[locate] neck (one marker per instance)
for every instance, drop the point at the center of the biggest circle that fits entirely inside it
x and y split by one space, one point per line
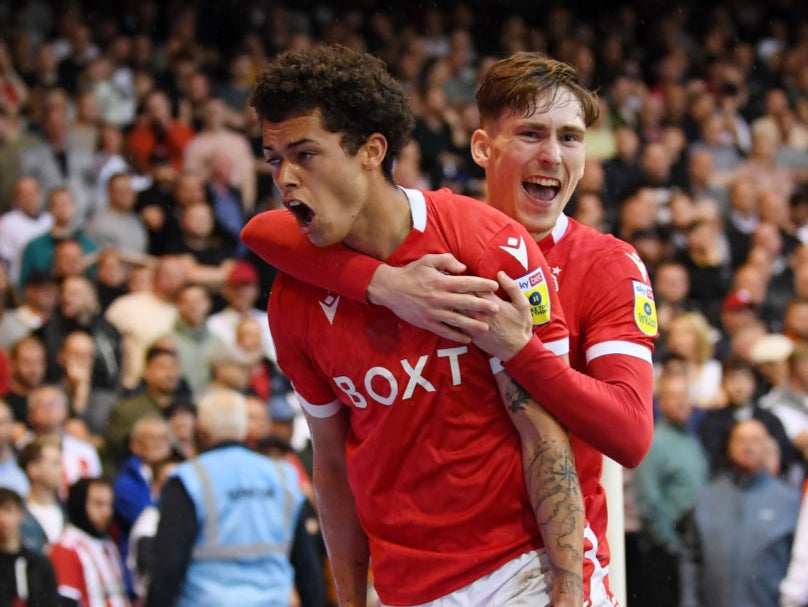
10 545
383 223
41 496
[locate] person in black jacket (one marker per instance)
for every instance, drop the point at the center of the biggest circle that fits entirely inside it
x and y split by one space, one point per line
26 577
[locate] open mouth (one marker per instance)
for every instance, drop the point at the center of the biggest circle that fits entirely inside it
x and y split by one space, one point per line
544 189
301 211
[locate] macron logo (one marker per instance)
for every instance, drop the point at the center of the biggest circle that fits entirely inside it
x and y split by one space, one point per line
329 306
518 249
640 265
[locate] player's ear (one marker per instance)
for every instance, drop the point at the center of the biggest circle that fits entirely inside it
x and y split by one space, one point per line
373 151
480 147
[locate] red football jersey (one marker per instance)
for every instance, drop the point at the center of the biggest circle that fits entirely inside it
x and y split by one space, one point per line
609 308
433 458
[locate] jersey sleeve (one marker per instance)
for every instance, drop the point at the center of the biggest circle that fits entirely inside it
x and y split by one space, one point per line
289 325
610 407
512 250
275 237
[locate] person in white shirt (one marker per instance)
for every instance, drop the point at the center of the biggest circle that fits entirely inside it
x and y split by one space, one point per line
241 291
23 223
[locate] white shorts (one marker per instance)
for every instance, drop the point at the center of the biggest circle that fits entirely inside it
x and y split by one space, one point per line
521 582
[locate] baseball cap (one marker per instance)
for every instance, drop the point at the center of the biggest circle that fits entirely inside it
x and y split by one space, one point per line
771 348
231 354
738 299
242 273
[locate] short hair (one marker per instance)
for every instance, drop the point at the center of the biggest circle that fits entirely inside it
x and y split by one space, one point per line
156 350
32 452
734 364
9 496
223 415
147 420
515 83
354 93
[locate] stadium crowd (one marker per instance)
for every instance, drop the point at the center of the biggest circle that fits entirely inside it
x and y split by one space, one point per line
130 160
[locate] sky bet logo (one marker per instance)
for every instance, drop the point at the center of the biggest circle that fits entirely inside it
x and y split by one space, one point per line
534 287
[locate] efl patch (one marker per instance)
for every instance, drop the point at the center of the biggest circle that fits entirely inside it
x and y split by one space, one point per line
644 308
534 287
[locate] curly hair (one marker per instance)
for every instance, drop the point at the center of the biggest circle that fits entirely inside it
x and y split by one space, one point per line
516 82
354 93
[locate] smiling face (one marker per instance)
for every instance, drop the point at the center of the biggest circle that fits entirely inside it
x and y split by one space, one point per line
322 185
534 161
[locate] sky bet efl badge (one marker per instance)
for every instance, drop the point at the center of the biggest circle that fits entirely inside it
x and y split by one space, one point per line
534 286
644 308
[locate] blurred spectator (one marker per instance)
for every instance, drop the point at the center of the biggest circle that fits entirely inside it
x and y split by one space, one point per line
88 402
259 424
108 161
88 567
690 337
140 556
11 475
57 163
14 138
236 87
738 310
157 136
795 319
721 566
666 485
149 444
206 256
700 182
181 416
241 291
156 206
143 316
231 368
69 260
788 401
83 130
621 172
161 375
715 139
111 274
708 265
118 225
214 496
739 386
26 577
38 302
195 343
39 252
27 372
761 165
741 218
24 222
42 461
769 354
794 587
48 416
227 203
78 310
215 139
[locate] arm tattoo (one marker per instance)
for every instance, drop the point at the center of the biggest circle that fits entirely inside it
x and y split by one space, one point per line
516 397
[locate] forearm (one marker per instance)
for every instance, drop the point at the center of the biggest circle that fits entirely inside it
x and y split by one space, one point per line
603 410
345 540
553 488
275 237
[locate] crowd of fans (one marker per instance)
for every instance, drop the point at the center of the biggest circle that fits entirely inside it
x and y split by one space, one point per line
130 160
